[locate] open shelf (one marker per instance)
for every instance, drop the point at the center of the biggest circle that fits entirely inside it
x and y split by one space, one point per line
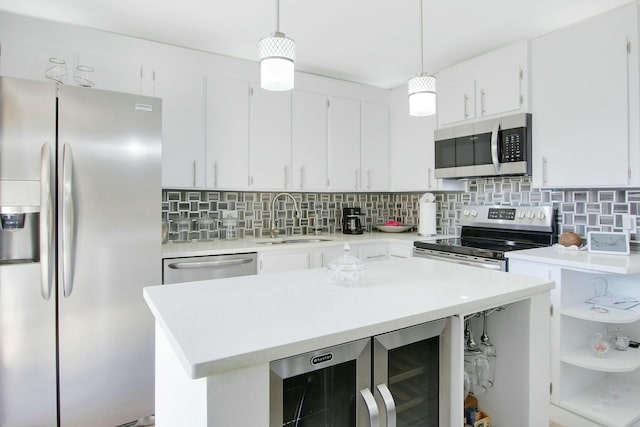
614 360
599 404
583 311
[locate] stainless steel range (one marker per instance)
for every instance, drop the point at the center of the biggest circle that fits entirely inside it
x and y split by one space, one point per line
490 231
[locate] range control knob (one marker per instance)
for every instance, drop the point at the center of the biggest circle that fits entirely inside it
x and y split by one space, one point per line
474 213
541 215
466 212
521 214
532 214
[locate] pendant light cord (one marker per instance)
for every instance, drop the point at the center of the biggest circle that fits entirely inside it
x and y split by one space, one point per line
278 16
421 41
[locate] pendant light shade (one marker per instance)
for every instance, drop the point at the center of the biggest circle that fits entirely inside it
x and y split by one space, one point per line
277 58
422 88
422 95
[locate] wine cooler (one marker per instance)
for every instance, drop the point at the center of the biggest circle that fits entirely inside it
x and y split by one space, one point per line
397 379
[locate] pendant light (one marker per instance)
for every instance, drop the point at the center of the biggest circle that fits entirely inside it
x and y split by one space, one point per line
277 57
422 88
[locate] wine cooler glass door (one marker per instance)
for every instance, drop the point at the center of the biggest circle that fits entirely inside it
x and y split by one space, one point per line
321 388
407 375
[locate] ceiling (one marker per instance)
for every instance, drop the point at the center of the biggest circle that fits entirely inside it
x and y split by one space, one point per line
374 42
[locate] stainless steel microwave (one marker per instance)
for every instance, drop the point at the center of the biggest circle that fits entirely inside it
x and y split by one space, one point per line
487 148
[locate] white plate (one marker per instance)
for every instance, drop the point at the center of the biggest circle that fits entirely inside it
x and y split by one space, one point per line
394 228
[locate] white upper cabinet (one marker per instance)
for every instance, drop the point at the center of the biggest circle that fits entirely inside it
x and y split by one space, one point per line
227 133
309 141
344 144
374 147
358 145
183 126
270 139
456 95
585 103
489 85
412 151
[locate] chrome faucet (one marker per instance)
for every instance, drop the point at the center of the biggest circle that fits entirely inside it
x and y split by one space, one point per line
274 224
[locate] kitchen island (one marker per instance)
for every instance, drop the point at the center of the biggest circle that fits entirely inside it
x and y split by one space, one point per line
215 339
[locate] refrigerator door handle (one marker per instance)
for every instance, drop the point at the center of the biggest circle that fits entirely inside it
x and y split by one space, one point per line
67 220
389 404
372 407
46 222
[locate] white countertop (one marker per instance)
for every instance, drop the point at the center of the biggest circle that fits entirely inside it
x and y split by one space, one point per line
248 244
220 325
580 259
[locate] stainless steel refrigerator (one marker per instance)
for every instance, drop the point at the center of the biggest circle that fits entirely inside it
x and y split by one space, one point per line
80 236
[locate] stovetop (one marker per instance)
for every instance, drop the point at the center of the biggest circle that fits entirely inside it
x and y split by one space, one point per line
490 231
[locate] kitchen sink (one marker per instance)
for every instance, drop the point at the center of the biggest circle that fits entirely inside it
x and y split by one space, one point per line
293 239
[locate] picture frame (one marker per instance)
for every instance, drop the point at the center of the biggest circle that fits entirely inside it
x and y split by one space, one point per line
612 243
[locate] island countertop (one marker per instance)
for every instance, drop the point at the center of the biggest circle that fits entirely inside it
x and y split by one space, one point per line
216 326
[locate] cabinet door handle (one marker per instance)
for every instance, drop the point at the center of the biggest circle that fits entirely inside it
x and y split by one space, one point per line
215 174
368 179
545 166
356 173
389 404
482 102
301 177
372 407
429 178
466 106
286 169
194 173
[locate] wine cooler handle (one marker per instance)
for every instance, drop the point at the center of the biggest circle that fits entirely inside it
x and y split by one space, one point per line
372 407
389 404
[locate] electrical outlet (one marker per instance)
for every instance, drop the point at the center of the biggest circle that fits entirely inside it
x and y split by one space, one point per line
629 224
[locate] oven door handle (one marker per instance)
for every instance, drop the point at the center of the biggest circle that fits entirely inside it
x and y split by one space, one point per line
491 266
494 146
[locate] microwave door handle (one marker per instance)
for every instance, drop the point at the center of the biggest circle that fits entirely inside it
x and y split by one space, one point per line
494 146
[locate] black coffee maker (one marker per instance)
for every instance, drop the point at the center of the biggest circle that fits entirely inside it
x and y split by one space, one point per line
351 221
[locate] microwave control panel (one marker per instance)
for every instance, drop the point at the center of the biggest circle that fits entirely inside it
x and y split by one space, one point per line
513 146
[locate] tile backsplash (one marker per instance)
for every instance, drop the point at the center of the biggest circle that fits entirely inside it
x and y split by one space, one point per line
577 210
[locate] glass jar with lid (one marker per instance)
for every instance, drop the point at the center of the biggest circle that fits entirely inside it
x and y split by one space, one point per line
347 269
207 228
183 229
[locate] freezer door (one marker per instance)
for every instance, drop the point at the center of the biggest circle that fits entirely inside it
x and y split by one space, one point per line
27 319
27 120
110 248
27 349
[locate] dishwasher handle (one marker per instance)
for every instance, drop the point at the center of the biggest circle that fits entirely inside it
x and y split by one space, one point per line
193 265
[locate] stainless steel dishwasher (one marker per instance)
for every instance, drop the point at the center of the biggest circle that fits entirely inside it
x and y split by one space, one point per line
177 270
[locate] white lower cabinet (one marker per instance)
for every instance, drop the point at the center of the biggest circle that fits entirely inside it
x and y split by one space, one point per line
588 390
278 262
371 252
304 259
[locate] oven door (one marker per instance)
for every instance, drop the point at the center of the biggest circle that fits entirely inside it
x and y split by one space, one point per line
491 264
328 387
